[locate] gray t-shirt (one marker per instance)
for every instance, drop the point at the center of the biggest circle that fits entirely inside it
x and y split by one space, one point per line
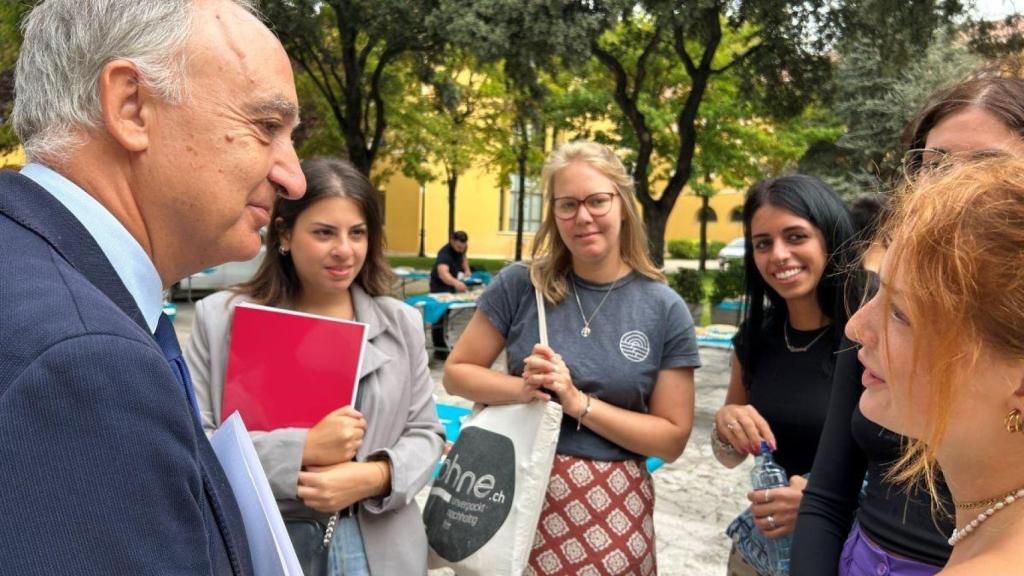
642 328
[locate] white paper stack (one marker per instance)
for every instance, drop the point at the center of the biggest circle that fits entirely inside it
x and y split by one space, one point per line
272 552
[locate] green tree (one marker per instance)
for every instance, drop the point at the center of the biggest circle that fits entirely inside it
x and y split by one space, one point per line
11 14
664 57
441 123
876 102
346 48
527 40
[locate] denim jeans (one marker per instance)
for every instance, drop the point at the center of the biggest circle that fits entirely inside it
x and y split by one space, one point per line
348 558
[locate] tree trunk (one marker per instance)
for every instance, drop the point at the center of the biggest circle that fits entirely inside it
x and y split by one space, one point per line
655 220
453 182
423 220
522 205
704 199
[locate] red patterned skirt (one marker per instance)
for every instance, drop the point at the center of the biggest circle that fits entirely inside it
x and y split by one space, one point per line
598 519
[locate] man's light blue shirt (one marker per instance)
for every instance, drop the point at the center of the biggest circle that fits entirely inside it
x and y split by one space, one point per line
125 254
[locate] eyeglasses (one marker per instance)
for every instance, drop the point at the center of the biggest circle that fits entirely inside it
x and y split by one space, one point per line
920 161
598 204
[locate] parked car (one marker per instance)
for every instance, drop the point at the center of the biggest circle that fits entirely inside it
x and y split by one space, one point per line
217 278
735 249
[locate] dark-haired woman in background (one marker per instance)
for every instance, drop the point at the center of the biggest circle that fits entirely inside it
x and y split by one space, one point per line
797 233
897 530
360 465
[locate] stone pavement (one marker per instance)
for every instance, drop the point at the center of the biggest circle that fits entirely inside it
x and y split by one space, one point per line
696 497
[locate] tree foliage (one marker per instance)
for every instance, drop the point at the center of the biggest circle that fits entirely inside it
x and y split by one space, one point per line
11 14
876 102
346 49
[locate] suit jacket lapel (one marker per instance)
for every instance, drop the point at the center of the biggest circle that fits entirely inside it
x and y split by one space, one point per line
33 207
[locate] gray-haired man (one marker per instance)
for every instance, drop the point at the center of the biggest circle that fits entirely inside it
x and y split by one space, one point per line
158 133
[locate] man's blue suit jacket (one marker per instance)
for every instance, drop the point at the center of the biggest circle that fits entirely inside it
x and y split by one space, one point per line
103 469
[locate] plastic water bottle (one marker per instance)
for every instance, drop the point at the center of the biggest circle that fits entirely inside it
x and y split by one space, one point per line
767 474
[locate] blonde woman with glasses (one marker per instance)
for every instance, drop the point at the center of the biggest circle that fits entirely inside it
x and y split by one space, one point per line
621 360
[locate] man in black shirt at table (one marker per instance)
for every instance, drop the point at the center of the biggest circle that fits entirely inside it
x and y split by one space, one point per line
444 277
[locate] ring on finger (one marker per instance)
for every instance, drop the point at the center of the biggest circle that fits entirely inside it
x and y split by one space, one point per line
771 522
766 498
731 425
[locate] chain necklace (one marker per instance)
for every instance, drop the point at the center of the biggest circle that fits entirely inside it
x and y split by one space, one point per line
960 534
585 332
986 503
785 334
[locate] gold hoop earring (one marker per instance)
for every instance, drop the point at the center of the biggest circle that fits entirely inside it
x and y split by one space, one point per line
1014 422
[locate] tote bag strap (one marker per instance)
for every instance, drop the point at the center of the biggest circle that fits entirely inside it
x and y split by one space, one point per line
542 320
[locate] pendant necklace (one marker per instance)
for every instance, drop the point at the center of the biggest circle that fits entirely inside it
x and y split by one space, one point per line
785 334
585 332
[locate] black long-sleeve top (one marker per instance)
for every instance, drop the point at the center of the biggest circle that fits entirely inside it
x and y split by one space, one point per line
899 520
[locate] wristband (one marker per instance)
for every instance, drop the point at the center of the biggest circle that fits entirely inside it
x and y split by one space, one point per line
586 410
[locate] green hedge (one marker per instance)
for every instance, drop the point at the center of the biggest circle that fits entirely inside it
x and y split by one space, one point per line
686 249
728 283
491 265
688 284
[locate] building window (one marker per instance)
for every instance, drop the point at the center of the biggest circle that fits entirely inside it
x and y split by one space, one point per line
736 216
532 210
711 215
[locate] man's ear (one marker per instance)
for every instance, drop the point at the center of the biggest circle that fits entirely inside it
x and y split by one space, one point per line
126 105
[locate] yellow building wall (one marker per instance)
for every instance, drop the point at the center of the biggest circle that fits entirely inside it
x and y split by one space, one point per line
15 159
683 223
478 212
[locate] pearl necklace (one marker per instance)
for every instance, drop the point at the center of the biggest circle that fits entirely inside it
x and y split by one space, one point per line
959 535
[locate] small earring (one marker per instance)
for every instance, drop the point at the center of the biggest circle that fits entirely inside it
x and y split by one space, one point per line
1014 422
282 250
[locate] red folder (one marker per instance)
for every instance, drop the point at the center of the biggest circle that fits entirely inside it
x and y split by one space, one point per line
289 369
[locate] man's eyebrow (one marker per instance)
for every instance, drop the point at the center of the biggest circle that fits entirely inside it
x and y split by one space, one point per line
277 105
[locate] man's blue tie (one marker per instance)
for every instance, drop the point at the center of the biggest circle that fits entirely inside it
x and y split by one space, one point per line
168 342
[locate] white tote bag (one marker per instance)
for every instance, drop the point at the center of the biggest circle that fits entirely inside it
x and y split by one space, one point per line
485 503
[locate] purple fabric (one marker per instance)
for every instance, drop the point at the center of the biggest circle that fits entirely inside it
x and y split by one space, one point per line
862 557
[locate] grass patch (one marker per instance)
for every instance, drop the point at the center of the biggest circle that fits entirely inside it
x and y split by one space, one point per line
491 265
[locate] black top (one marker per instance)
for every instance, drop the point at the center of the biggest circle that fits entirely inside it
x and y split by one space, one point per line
453 260
791 389
851 446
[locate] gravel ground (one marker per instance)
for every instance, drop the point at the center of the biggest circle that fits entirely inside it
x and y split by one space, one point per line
696 497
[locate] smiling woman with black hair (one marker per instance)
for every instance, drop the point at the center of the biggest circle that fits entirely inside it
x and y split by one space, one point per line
797 234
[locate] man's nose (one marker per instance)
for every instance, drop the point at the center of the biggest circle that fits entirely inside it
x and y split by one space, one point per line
287 176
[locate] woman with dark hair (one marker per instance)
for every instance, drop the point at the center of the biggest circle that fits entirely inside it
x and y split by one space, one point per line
797 235
893 526
355 473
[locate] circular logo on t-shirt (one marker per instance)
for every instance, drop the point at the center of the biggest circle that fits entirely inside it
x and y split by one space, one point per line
635 346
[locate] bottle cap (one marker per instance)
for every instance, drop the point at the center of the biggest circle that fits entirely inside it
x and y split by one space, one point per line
765 448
